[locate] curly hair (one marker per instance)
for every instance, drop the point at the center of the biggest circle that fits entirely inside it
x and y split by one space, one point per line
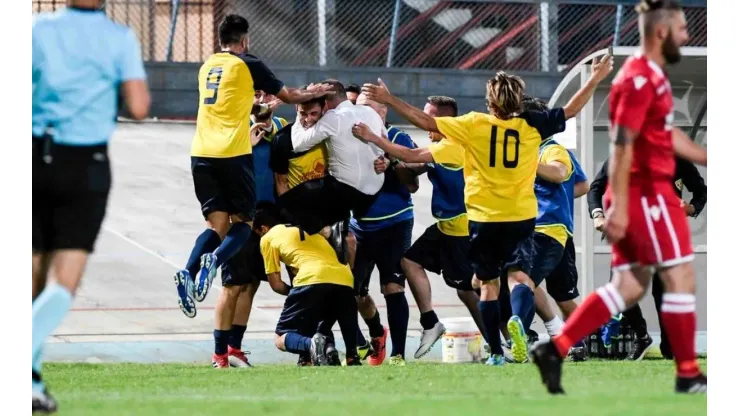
504 95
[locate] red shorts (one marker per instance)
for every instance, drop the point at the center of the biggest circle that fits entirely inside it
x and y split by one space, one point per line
658 231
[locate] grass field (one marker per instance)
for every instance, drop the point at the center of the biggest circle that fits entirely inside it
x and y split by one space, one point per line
594 388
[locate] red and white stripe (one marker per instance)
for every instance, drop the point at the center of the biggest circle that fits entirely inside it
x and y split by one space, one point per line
613 300
678 303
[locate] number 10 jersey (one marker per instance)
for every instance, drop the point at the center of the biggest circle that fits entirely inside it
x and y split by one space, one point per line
500 161
227 83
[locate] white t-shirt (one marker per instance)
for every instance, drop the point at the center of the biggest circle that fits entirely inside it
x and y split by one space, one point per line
351 160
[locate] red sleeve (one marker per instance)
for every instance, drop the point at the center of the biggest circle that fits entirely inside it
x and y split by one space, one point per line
635 96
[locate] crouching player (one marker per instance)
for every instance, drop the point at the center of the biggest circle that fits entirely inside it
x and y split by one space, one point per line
322 291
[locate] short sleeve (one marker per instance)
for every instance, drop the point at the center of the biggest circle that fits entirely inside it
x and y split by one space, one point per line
548 123
578 173
557 153
263 78
282 147
131 66
457 129
403 139
634 96
270 254
446 152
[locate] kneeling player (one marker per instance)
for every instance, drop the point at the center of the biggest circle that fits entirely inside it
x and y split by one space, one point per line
322 291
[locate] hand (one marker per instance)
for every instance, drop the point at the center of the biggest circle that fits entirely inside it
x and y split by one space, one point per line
616 224
381 164
599 223
475 283
274 104
688 208
602 68
363 132
378 93
320 90
257 132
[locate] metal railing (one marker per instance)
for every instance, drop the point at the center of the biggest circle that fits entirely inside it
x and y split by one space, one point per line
524 35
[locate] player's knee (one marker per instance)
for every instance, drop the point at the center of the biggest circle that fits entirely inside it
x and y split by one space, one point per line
219 222
280 342
231 292
391 288
489 289
516 277
679 279
629 287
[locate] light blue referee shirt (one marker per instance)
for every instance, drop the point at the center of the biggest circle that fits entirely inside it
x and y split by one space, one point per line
80 58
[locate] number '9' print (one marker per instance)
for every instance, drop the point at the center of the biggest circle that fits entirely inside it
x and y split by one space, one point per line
213 85
508 162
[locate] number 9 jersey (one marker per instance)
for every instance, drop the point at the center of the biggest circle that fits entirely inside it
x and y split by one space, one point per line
500 162
227 84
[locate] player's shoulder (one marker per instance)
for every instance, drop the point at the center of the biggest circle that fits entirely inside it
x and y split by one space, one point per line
638 72
276 233
395 134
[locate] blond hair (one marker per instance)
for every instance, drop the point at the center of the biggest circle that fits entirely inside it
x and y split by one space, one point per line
504 95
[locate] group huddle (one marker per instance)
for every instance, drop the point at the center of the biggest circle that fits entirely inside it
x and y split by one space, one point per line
329 196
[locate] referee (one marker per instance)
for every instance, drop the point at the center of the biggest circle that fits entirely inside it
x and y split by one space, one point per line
82 63
686 175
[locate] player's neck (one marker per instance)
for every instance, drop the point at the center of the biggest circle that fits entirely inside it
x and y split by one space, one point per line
233 49
654 54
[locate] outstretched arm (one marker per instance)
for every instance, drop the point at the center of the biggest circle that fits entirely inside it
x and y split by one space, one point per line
415 116
418 155
601 70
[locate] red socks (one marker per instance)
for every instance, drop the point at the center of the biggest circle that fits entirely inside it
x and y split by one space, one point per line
590 315
679 319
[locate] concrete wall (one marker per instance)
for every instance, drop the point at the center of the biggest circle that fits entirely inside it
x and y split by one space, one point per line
175 86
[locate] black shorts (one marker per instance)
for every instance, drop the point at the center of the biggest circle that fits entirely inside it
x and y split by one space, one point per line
383 248
70 194
548 253
225 185
307 307
496 247
444 254
314 204
562 284
247 266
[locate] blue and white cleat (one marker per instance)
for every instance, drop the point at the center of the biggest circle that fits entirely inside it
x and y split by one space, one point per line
496 360
518 339
611 330
185 286
206 275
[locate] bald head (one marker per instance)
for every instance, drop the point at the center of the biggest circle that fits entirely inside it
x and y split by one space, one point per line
379 108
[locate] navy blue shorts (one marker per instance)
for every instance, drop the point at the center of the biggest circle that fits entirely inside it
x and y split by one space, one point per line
383 248
308 307
496 247
247 266
562 284
225 185
444 254
548 253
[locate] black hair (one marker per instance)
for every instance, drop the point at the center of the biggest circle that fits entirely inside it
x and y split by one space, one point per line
534 104
353 88
443 101
232 29
267 214
339 90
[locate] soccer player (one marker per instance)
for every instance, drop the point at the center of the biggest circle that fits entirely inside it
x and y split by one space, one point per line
268 126
82 61
383 235
223 168
500 165
322 290
443 248
645 221
686 175
353 91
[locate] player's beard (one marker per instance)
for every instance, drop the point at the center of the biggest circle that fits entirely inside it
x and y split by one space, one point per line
671 50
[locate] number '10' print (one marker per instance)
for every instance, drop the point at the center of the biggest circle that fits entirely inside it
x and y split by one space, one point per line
508 161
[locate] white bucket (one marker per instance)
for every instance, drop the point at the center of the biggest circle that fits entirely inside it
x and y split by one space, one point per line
462 342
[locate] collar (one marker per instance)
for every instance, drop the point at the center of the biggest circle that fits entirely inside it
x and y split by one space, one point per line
652 64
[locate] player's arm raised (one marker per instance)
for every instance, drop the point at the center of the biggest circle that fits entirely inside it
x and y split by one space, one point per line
415 116
685 148
297 95
601 69
418 155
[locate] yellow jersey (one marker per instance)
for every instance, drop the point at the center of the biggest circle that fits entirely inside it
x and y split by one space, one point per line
299 167
310 256
226 85
500 161
555 153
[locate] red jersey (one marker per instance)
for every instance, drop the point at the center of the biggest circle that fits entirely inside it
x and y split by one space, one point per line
641 100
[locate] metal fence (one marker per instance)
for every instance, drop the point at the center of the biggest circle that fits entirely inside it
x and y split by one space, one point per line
525 35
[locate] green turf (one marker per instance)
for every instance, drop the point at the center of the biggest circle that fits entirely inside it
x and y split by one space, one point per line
594 388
